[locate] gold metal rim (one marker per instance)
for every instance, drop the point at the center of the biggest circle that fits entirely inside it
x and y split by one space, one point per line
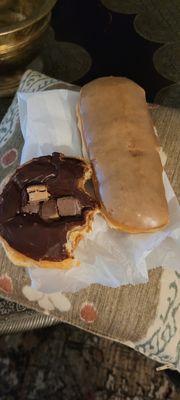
45 9
26 40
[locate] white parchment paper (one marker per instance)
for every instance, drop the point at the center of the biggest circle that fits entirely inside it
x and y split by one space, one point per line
107 256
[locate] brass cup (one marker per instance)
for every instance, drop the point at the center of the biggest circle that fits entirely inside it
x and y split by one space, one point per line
22 27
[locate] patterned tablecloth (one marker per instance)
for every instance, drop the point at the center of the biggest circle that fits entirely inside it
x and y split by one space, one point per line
144 317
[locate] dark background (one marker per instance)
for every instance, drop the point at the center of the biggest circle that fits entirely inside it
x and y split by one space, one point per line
110 39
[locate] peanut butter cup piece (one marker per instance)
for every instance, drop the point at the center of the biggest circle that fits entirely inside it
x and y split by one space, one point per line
49 210
31 208
37 193
68 206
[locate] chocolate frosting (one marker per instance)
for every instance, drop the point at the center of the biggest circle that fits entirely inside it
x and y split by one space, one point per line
28 232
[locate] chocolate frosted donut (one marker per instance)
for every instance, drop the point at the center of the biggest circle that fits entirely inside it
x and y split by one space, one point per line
44 211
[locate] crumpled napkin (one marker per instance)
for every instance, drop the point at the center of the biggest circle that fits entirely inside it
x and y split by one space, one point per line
108 257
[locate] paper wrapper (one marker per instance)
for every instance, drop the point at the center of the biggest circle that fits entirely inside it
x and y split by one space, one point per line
108 257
